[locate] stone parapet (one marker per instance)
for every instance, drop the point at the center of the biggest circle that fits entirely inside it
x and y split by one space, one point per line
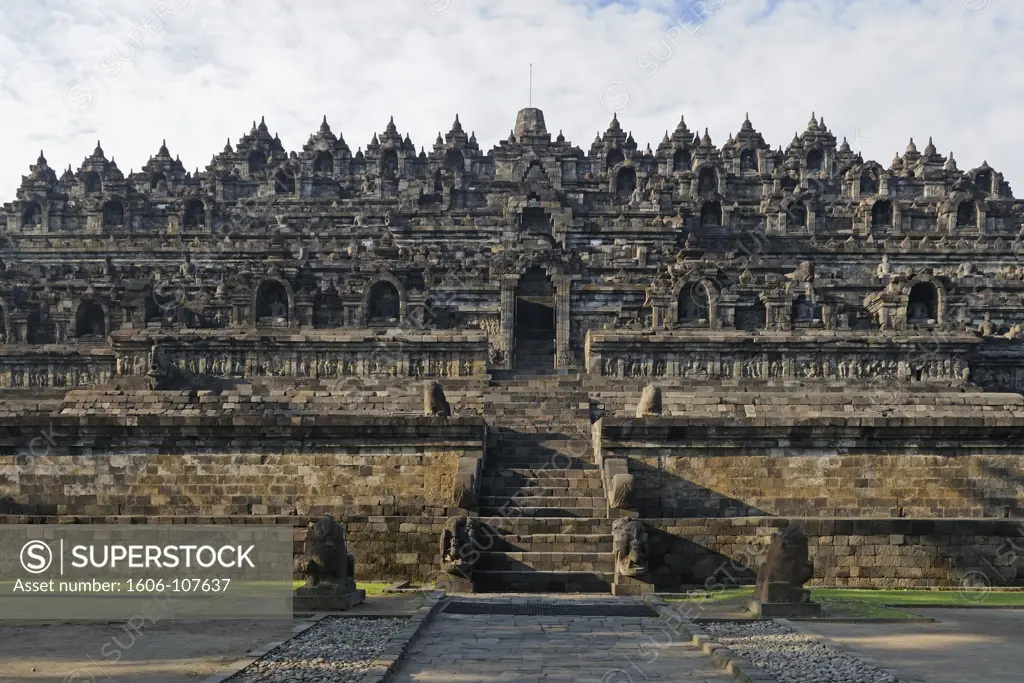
936 359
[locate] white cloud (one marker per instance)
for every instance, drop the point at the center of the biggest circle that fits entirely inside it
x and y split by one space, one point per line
884 69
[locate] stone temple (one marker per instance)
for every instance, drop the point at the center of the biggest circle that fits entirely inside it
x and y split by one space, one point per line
817 338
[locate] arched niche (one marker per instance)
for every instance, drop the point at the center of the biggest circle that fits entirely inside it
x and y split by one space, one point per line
748 161
31 215
625 182
383 303
158 181
967 215
40 332
815 161
804 310
257 161
614 158
284 182
273 303
90 321
161 304
707 180
113 213
389 164
439 176
454 161
711 215
983 181
923 304
91 182
323 162
868 183
680 161
796 215
536 219
694 302
881 215
195 214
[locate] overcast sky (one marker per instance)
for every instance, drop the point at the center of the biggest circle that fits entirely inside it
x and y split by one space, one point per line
196 72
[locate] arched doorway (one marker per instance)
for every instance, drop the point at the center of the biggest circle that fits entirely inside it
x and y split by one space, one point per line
90 321
923 304
272 303
694 304
323 163
881 215
535 322
384 305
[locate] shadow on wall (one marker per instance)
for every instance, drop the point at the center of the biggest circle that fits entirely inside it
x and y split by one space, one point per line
9 507
677 562
663 494
996 490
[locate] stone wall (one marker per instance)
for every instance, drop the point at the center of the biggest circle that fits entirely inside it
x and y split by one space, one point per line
905 485
360 467
856 553
386 547
823 466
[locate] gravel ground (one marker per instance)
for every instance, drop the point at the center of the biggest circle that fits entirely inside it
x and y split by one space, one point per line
336 650
792 657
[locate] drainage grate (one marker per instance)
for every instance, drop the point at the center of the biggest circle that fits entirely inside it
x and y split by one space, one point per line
535 609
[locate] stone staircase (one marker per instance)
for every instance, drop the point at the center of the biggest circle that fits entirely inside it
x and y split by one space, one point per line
545 526
535 357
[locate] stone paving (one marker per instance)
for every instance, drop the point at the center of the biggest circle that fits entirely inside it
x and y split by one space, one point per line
457 648
963 646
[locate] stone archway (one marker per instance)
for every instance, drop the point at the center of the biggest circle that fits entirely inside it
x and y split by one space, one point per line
535 322
923 304
90 321
272 303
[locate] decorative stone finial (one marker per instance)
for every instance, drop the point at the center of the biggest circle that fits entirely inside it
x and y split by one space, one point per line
434 401
650 402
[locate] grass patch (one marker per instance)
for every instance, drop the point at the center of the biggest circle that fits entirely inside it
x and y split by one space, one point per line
860 609
865 604
918 598
371 587
716 596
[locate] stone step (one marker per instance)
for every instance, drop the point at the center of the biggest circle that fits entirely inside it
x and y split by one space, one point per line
583 487
567 499
514 511
594 561
522 445
543 526
534 470
540 461
542 582
546 543
499 484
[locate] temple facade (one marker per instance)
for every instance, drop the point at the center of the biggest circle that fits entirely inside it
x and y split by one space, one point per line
555 254
285 291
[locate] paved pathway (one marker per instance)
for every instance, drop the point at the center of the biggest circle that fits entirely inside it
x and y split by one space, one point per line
964 646
458 648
